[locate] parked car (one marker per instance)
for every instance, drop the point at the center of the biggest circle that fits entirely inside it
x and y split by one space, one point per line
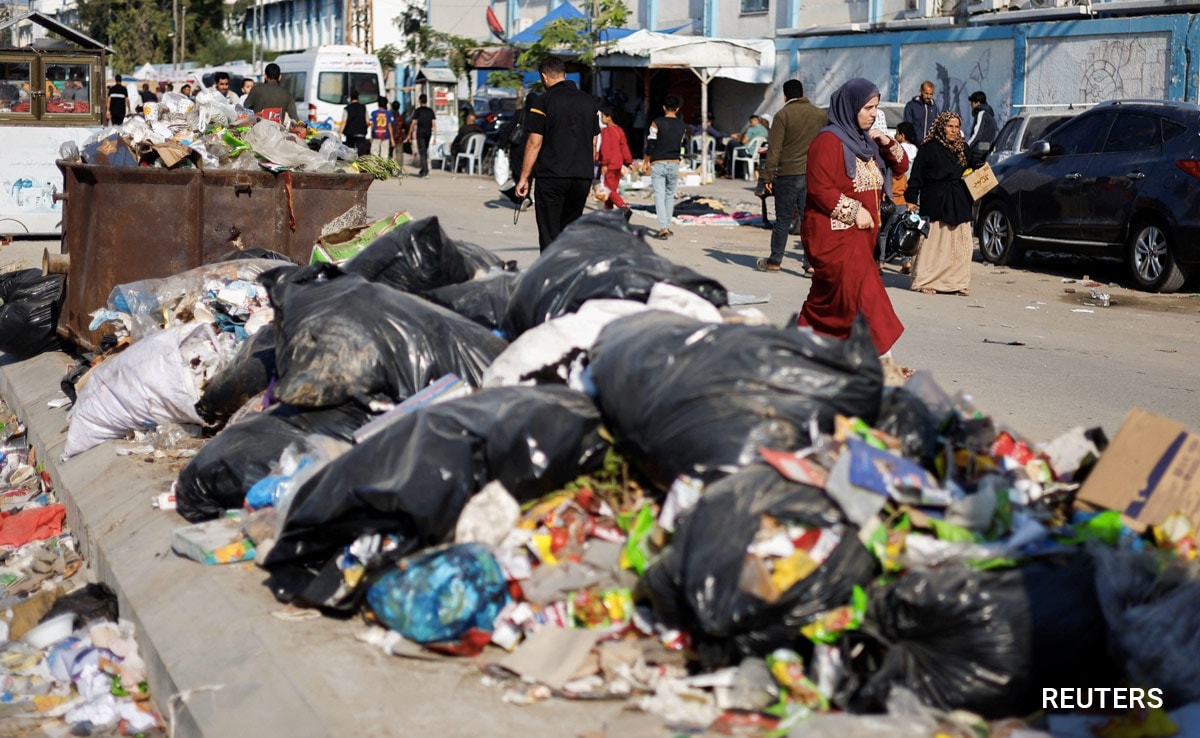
1023 129
1121 179
493 110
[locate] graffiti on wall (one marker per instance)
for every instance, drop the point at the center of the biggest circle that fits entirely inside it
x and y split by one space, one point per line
824 70
956 70
1092 69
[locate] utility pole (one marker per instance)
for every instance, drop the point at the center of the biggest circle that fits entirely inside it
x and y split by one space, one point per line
174 35
183 40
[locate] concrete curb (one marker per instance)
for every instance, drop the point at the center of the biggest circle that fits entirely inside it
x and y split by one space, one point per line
208 631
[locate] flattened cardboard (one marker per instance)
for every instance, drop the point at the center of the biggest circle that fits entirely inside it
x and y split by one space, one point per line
1150 470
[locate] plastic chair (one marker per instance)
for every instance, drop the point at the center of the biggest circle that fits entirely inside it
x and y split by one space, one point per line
748 155
693 155
472 152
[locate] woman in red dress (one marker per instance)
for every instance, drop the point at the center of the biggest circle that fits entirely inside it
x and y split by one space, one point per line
848 175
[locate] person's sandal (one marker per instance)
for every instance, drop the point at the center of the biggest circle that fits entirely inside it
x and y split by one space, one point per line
906 268
663 235
763 265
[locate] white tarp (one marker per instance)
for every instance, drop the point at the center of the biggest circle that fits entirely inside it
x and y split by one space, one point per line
745 60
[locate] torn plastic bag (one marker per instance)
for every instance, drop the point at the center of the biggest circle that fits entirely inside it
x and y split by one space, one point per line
219 477
413 478
684 397
29 306
151 383
1151 604
245 376
437 596
256 252
339 336
984 641
596 256
482 300
419 256
701 580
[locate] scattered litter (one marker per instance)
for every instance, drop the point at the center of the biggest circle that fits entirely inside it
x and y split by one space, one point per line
1004 343
1082 310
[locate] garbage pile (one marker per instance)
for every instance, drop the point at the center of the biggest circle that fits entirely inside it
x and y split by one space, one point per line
211 133
606 483
66 662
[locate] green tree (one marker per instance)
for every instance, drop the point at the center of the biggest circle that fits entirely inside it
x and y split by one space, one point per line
137 30
576 37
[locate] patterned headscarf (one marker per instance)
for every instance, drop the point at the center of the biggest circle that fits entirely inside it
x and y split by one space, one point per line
937 132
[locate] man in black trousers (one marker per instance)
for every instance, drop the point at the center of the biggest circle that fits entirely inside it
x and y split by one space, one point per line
559 151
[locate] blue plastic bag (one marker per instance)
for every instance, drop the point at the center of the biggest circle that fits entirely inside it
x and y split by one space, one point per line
438 595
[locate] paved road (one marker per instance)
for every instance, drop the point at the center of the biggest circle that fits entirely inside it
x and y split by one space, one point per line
1071 367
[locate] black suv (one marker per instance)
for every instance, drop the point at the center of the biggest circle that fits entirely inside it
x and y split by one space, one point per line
1121 179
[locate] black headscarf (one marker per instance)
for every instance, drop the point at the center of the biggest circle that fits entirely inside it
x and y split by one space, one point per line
844 105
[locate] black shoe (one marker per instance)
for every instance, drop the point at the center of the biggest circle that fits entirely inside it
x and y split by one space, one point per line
628 213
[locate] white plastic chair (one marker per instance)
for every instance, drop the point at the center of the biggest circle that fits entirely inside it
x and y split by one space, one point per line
472 151
748 155
693 155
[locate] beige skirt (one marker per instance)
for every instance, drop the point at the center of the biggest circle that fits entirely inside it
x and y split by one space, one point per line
943 262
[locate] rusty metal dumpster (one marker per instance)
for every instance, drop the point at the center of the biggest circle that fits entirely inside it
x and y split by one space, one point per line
123 224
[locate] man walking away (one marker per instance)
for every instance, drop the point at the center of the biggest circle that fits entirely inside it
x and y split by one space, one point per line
983 129
147 95
381 126
921 111
117 96
785 174
663 142
421 130
271 99
355 125
614 159
559 151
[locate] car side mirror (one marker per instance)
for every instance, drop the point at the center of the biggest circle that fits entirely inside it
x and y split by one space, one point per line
1039 149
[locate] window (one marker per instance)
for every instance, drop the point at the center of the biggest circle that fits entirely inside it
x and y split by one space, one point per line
1133 132
15 77
755 6
295 83
1008 136
334 87
72 88
1082 135
1171 129
1040 125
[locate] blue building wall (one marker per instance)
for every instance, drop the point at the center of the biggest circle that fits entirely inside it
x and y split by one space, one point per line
1030 64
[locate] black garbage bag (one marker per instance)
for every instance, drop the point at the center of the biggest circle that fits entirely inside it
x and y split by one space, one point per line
699 582
218 478
91 602
419 256
597 256
245 376
256 252
482 300
339 336
684 397
904 415
413 478
1152 604
29 306
984 641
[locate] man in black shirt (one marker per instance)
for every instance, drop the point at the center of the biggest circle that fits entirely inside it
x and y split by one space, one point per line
663 143
559 151
421 130
117 95
354 125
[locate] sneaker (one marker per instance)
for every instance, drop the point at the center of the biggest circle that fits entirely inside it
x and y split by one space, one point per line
763 265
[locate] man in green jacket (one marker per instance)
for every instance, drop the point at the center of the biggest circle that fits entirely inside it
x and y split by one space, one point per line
785 174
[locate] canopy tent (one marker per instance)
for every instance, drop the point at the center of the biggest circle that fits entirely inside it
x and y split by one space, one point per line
566 11
708 58
147 73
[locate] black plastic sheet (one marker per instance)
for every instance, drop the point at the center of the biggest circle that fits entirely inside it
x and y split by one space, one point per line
219 477
597 256
419 256
413 478
339 337
684 397
696 583
29 306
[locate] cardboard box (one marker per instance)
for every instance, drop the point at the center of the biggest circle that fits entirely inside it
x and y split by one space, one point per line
1150 470
981 181
111 151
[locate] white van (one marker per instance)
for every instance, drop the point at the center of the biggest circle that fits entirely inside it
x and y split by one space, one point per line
321 80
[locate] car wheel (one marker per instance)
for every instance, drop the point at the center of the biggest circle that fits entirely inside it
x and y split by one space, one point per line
1151 260
998 242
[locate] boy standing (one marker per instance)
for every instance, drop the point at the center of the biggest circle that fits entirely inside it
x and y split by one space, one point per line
381 127
663 143
614 159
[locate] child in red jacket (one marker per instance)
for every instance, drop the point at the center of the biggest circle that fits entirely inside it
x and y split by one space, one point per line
614 156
